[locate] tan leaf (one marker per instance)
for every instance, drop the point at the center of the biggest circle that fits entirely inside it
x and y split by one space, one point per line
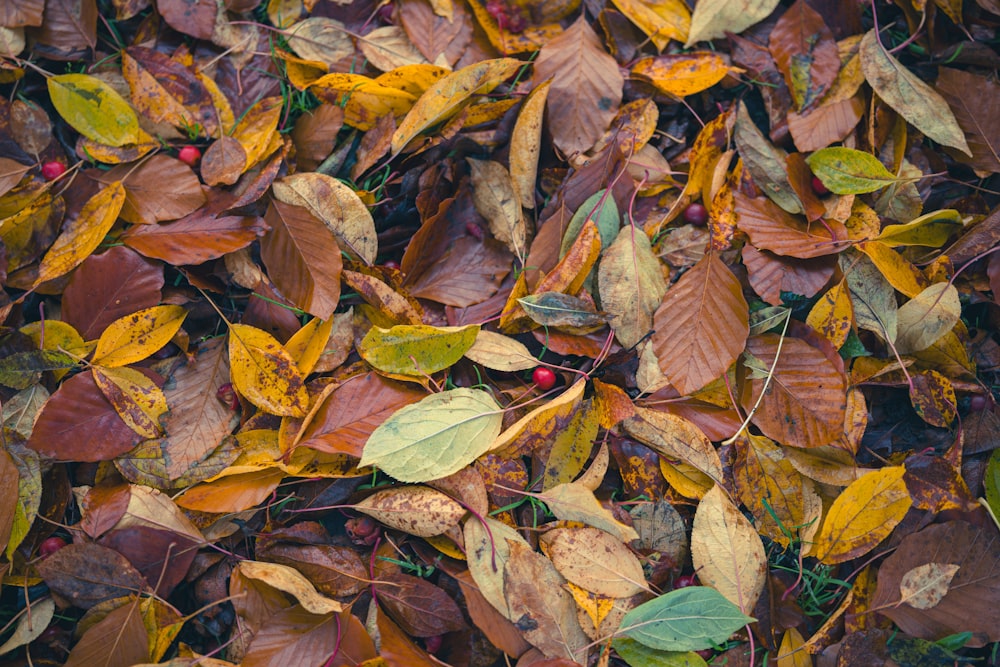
596 561
289 580
417 510
727 552
924 586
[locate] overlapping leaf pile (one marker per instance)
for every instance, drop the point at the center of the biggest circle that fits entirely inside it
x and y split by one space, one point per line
280 403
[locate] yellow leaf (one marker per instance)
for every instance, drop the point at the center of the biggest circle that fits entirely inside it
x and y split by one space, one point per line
57 335
683 75
445 97
263 371
257 128
416 349
83 235
134 337
792 652
94 109
568 276
499 352
930 229
291 581
833 315
135 397
309 343
575 502
661 20
413 79
863 515
900 273
540 424
364 100
525 144
685 479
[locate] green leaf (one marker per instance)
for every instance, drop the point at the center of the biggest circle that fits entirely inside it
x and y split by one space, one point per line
416 349
94 109
991 481
436 437
604 214
631 284
931 229
872 295
554 309
687 619
640 655
764 162
910 97
845 171
23 369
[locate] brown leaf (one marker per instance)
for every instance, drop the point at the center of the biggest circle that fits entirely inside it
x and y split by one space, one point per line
586 87
540 607
78 424
86 574
771 274
109 286
197 421
161 556
196 238
161 188
700 326
806 400
975 101
165 90
805 52
302 258
355 409
336 571
435 35
117 640
969 604
419 607
771 228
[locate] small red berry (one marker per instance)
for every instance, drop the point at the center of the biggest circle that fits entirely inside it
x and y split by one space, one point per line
52 170
433 643
189 155
363 530
50 546
227 395
696 214
705 654
544 378
818 187
685 580
391 264
978 402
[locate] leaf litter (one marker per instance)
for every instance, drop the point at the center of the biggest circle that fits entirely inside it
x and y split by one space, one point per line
279 278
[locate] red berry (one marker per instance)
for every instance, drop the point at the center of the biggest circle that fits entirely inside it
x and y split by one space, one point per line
818 187
189 155
52 170
705 654
433 643
391 264
544 378
685 580
978 402
50 546
227 395
363 530
696 214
